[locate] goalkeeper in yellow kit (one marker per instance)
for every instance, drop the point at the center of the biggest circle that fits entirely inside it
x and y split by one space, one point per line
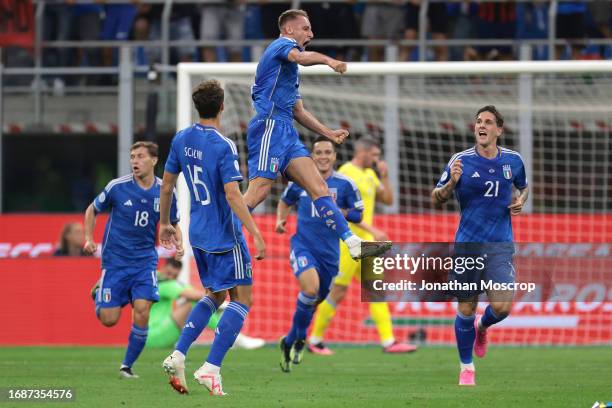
372 189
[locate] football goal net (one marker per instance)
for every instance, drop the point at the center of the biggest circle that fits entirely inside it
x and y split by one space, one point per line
558 116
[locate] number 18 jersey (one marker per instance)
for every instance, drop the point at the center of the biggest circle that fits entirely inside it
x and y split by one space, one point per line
129 236
208 161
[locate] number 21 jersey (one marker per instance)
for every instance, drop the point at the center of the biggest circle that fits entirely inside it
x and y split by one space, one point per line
484 193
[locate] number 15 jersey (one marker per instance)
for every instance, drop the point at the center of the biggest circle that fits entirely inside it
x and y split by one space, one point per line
484 193
208 161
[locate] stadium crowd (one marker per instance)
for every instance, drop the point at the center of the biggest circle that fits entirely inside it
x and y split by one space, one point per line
341 20
380 20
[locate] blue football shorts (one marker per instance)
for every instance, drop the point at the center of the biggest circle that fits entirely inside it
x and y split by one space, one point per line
122 285
498 268
118 21
224 270
272 144
303 259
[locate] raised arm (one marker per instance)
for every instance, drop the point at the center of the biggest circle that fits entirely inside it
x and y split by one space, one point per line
307 119
384 192
308 58
236 202
440 195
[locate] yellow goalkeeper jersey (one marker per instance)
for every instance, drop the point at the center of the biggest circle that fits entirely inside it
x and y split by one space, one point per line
367 182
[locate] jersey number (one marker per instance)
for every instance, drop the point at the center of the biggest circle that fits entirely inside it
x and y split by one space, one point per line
142 219
313 211
194 175
492 190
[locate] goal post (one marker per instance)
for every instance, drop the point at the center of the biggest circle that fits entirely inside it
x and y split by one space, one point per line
558 116
392 94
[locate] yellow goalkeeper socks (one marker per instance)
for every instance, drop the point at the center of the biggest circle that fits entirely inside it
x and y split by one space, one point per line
382 319
325 313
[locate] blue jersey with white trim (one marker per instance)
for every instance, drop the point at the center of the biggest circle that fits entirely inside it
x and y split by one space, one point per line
312 232
208 160
275 90
129 235
484 193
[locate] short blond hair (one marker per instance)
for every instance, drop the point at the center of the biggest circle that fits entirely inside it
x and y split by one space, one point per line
289 15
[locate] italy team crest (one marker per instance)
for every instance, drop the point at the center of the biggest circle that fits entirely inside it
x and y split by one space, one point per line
106 295
507 171
156 204
274 164
334 194
302 261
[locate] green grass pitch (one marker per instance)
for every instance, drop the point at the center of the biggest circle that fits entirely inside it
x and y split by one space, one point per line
354 377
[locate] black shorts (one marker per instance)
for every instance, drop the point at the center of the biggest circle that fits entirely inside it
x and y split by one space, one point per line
332 20
495 30
571 26
436 14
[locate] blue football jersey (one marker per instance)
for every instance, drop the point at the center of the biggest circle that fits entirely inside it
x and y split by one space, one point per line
312 232
129 235
208 161
484 193
276 81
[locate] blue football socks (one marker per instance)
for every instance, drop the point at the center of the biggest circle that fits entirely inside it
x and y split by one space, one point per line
490 317
196 322
465 334
228 329
301 318
331 214
136 342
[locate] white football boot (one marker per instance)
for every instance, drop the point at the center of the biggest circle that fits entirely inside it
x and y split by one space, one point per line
174 366
211 381
360 249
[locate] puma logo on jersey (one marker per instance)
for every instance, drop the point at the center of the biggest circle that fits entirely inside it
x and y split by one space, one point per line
128 203
475 174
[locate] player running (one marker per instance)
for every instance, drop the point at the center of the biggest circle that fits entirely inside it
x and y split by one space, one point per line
129 257
361 170
273 142
315 250
209 162
482 179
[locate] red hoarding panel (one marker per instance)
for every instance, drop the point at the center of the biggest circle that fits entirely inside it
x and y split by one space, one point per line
36 235
47 301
